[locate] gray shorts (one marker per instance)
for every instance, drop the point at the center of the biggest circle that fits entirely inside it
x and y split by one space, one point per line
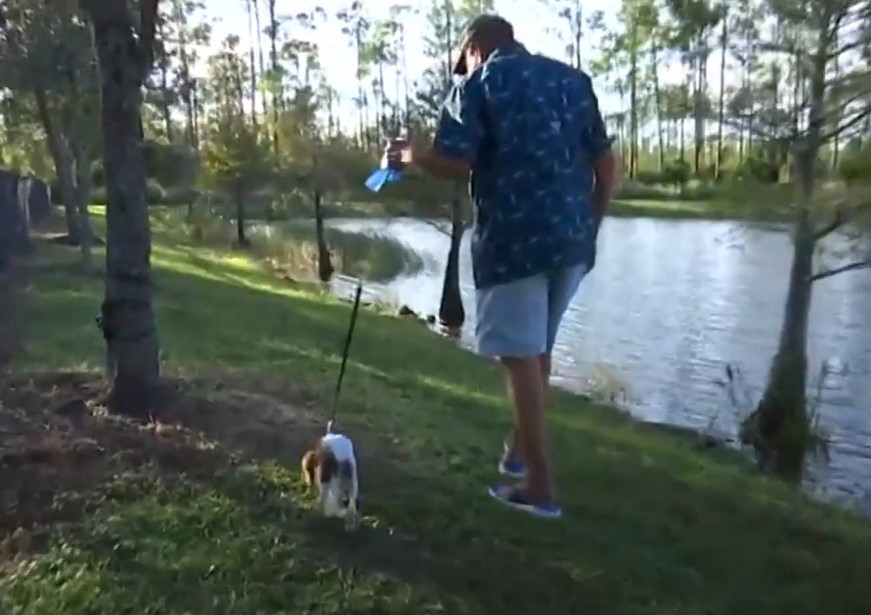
521 318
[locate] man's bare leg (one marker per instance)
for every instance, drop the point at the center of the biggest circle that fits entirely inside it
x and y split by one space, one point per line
527 385
515 450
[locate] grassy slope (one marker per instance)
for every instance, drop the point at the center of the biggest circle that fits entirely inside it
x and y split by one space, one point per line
692 210
750 202
653 526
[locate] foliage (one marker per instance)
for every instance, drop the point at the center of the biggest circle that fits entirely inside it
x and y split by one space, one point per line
758 170
855 165
234 160
677 172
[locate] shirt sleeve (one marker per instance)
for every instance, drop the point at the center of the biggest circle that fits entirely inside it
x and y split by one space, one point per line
461 128
594 134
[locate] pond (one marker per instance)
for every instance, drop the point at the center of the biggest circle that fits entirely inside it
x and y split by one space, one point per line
669 304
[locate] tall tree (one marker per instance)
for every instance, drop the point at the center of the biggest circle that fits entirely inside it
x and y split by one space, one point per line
827 29
48 55
693 22
124 41
356 25
276 73
721 107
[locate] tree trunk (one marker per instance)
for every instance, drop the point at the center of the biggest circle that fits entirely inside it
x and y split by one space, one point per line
187 84
633 105
273 60
451 312
83 199
698 97
261 62
779 429
63 167
578 32
657 94
252 66
722 103
325 266
165 100
682 146
241 237
78 149
782 410
127 314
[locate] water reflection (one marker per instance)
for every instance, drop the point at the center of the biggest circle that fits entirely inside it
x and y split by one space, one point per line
669 304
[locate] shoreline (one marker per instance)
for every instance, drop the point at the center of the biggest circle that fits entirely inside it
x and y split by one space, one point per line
714 209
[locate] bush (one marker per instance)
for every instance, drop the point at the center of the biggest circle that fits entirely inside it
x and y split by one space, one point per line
180 195
677 172
853 166
633 189
757 169
706 173
170 164
650 177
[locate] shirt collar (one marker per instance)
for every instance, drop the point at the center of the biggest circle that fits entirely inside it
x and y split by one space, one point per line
508 49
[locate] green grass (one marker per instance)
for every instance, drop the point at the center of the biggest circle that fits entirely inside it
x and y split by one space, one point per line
653 525
291 245
375 258
709 209
749 201
730 201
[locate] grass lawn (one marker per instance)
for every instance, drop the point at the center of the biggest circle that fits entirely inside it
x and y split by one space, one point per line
709 209
291 245
207 515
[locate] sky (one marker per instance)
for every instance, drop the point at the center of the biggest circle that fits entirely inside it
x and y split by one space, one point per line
533 23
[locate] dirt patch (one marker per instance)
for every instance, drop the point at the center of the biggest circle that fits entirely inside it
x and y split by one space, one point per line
59 445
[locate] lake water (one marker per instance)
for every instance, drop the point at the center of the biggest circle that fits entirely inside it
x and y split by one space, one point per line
668 305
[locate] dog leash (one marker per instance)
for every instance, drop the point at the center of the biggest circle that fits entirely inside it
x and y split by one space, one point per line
345 353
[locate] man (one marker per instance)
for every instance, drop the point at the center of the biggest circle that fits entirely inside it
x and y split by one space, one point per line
527 131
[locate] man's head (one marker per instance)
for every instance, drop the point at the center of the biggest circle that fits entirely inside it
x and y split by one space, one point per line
482 36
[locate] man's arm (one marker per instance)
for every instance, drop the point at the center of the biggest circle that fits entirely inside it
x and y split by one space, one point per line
597 143
606 172
458 135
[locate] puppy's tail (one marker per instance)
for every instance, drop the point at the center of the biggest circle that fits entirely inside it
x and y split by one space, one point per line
330 424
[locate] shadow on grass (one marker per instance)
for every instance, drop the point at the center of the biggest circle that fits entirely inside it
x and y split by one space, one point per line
653 526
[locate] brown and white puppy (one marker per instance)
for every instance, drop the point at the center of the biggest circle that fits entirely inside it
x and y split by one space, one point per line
331 466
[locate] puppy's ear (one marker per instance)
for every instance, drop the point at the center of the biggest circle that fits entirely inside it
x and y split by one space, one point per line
328 465
309 468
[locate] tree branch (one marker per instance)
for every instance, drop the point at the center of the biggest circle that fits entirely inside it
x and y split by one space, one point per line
853 122
828 273
436 226
839 219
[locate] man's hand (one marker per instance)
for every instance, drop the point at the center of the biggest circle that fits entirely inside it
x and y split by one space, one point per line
607 172
402 153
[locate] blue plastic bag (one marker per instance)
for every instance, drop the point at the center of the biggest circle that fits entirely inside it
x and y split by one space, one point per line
382 176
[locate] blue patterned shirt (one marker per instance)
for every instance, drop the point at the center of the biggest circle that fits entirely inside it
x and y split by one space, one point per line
531 129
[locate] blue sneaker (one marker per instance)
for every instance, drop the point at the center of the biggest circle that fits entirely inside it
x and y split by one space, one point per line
514 498
512 469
